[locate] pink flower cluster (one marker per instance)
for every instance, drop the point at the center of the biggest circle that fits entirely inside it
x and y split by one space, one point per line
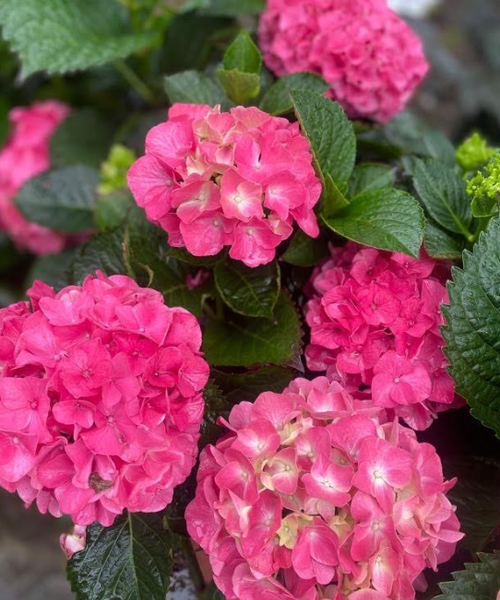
240 179
25 155
100 401
375 320
371 59
314 495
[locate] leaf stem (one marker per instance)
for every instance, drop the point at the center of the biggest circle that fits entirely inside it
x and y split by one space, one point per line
134 80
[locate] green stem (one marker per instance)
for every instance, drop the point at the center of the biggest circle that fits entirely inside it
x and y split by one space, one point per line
134 80
482 226
192 563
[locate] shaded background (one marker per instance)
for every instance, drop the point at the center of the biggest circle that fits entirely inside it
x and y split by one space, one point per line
462 93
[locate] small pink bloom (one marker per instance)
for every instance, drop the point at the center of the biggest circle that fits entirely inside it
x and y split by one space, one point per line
73 542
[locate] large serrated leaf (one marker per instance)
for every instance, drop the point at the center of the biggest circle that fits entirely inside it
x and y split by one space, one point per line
243 55
59 36
250 292
443 194
193 88
330 134
442 244
479 580
278 101
413 136
368 177
62 199
386 219
83 138
304 251
243 342
472 331
128 561
103 252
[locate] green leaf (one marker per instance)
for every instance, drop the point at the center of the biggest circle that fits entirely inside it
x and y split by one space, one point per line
247 386
111 210
193 87
243 342
443 194
82 138
145 256
9 256
62 199
229 8
250 292
386 219
368 177
414 137
479 580
131 560
103 252
184 256
304 251
332 199
52 269
330 134
472 331
240 87
243 55
59 36
278 101
442 244
4 120
189 42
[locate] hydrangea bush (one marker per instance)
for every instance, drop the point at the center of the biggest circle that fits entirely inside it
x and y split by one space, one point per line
249 303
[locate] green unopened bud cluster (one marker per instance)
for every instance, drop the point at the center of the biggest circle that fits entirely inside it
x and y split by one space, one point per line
484 189
114 169
474 153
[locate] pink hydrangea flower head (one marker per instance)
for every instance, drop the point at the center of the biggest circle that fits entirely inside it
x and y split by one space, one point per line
25 155
314 494
375 319
100 398
370 57
239 179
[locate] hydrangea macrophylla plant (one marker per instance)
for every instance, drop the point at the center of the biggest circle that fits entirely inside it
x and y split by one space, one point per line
25 155
240 179
375 319
371 59
100 398
315 494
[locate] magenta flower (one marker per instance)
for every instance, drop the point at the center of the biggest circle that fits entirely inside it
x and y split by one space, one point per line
314 494
375 320
100 399
25 155
239 179
371 59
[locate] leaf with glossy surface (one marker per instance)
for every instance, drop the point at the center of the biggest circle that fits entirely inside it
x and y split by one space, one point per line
472 331
368 177
304 251
443 194
278 101
193 88
243 342
479 580
131 560
247 386
252 292
62 199
329 132
413 136
243 55
82 138
442 244
239 86
59 36
386 219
